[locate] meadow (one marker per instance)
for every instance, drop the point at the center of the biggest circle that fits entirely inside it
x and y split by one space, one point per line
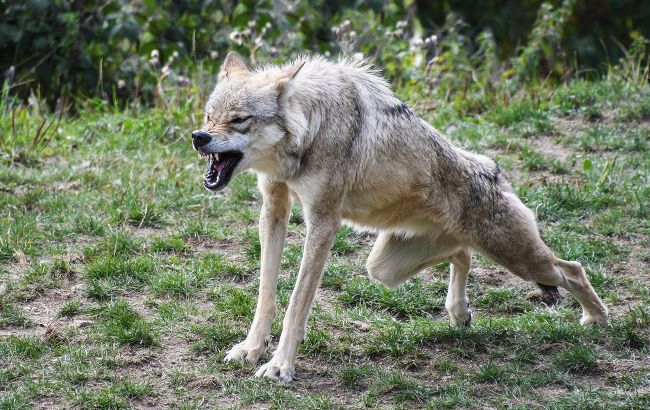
123 282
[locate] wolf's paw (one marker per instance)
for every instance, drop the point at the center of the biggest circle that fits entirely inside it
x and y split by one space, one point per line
276 370
248 351
599 319
462 321
460 317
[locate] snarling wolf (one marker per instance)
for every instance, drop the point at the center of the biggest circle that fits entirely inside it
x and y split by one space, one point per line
334 137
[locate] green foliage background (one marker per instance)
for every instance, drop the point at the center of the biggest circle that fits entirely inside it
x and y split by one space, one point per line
62 50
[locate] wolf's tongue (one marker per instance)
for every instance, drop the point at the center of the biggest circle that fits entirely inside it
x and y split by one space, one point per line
221 164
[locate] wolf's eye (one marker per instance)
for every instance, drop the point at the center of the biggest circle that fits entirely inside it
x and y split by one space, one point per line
240 120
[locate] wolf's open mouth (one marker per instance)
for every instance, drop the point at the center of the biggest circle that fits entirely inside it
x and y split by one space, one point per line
220 169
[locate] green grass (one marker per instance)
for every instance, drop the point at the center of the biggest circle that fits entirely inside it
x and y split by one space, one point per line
578 358
171 244
143 280
12 315
411 299
215 336
108 274
69 309
120 323
114 396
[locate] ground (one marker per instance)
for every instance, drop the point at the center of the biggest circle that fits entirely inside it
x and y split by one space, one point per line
123 282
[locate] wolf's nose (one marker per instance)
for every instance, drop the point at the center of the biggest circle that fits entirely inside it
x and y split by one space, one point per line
200 138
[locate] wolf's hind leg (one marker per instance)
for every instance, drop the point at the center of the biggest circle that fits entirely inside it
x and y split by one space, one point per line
574 279
514 242
395 258
457 303
552 271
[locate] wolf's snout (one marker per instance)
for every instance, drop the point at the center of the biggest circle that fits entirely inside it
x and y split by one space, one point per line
200 138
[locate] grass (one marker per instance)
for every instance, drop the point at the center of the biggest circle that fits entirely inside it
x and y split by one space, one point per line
120 323
143 280
411 299
578 358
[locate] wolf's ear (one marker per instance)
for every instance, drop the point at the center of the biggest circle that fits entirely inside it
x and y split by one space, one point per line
286 77
233 64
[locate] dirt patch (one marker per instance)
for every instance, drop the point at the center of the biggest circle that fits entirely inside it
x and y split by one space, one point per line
43 310
203 245
146 232
572 125
494 277
634 268
72 186
547 146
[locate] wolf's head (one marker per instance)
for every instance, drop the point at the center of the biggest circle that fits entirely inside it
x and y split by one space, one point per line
243 121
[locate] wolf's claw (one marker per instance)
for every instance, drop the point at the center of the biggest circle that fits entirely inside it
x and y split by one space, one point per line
245 351
461 321
276 371
594 319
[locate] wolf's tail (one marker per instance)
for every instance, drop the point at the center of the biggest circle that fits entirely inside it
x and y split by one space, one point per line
550 294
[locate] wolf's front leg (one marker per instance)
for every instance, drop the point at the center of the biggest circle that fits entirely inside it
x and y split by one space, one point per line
274 217
321 230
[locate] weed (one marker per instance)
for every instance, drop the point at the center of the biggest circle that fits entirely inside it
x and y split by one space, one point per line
216 264
10 315
138 212
628 332
116 244
402 388
122 324
410 299
19 236
316 341
491 373
176 283
504 299
132 272
215 336
253 246
169 244
444 366
69 309
42 277
291 256
355 377
115 396
200 228
88 225
22 347
578 358
235 303
343 242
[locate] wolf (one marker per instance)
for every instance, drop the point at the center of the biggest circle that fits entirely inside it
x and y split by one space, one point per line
334 137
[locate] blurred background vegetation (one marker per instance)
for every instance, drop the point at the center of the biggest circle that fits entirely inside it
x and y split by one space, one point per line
471 52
